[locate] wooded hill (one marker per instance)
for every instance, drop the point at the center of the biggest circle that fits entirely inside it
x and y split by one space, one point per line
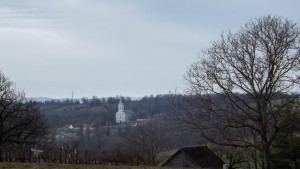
101 111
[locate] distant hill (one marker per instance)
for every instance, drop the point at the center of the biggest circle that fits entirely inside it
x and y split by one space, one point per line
44 99
100 111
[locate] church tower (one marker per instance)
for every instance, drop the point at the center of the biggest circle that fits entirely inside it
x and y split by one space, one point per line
121 106
120 115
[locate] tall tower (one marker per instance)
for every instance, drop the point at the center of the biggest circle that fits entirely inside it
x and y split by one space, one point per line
121 106
120 115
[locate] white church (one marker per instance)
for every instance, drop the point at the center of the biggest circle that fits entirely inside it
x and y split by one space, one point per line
120 115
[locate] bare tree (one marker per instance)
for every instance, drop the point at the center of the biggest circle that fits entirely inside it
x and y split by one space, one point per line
146 141
241 84
20 123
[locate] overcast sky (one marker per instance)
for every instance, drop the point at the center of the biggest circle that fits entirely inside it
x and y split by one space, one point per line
50 48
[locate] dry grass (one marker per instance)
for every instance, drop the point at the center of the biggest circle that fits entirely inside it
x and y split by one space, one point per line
5 165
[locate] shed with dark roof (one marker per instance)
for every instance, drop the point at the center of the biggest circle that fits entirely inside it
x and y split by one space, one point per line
198 157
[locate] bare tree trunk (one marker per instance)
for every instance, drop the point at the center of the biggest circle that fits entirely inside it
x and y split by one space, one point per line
1 155
255 159
138 159
267 156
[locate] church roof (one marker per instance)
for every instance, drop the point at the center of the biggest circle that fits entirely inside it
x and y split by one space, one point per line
128 111
143 120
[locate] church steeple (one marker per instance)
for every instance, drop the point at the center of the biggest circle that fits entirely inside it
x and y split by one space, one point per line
121 105
120 115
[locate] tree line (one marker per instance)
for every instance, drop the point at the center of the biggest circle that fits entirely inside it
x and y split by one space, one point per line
101 111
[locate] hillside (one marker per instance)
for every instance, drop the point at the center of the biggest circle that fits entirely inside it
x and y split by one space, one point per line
100 111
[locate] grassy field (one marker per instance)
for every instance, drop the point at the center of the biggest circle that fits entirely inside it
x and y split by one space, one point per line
4 165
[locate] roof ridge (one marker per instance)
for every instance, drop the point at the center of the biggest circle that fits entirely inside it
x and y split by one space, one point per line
192 146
